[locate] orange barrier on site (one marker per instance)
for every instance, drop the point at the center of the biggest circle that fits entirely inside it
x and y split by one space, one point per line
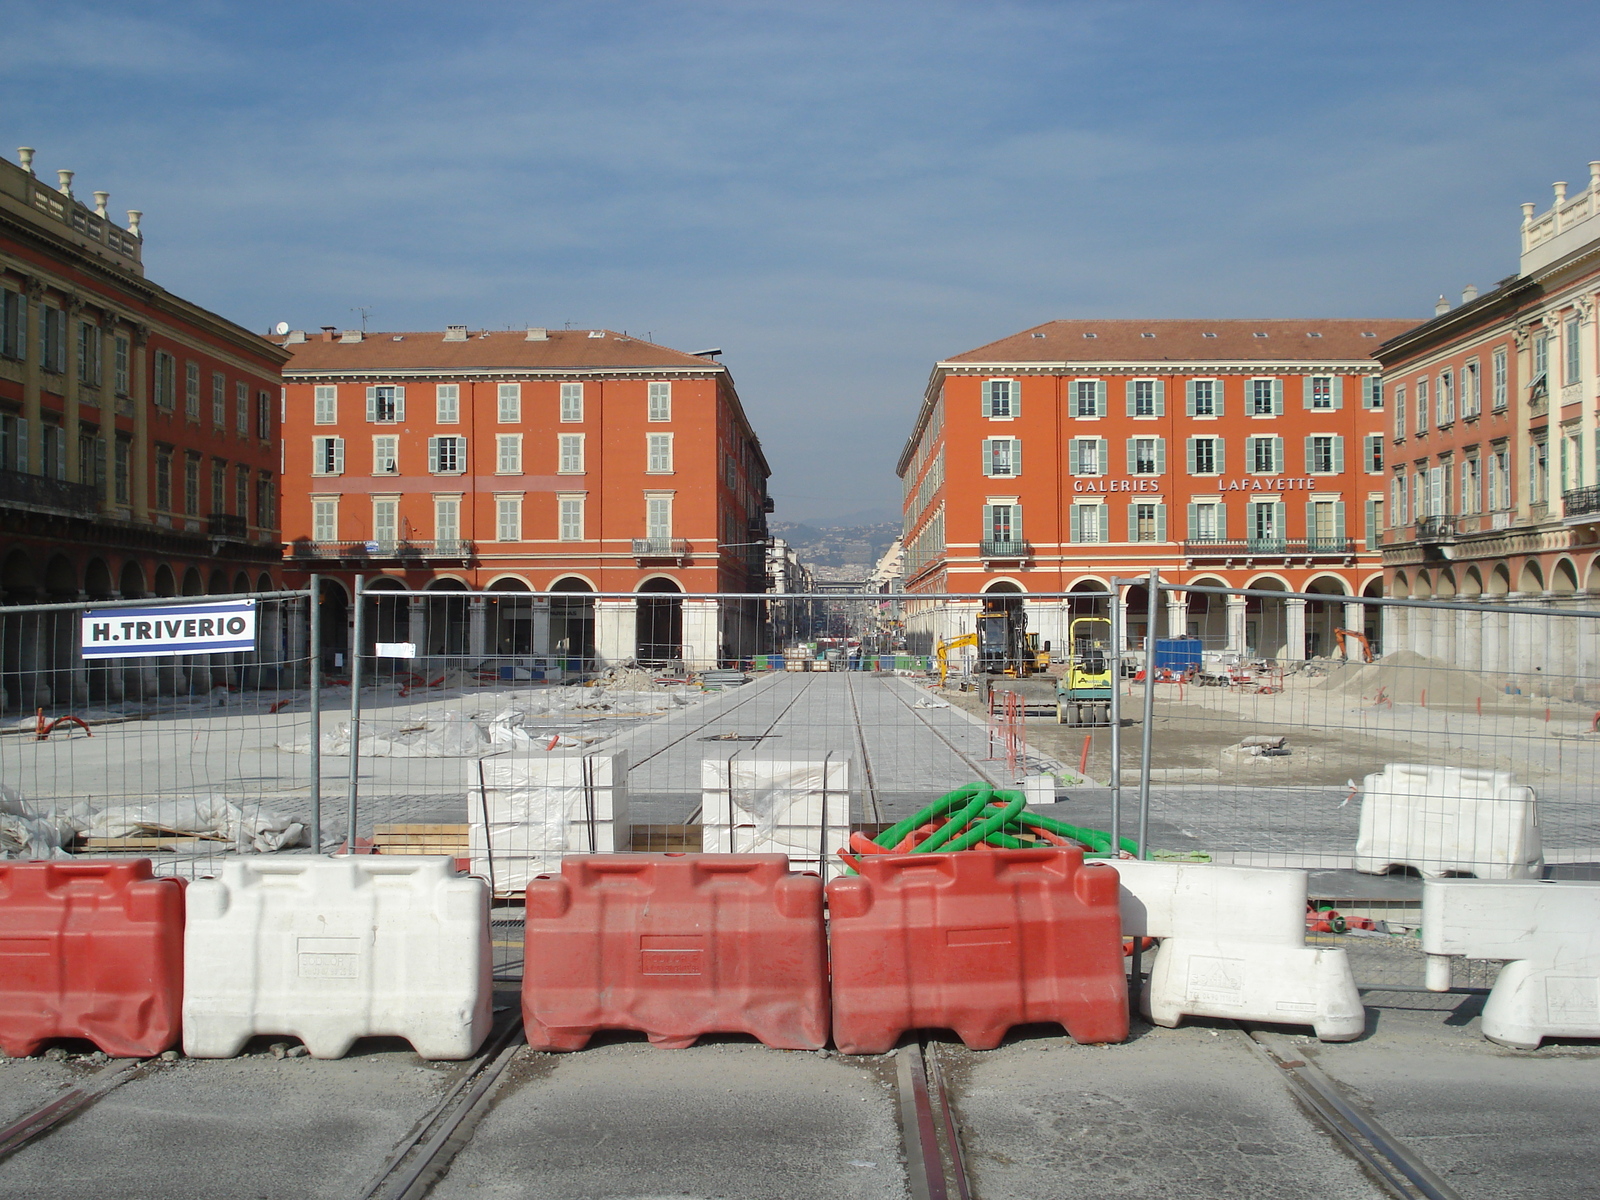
677 945
975 943
90 950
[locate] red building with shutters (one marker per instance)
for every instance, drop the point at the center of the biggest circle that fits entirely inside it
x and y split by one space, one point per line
138 437
557 463
1230 453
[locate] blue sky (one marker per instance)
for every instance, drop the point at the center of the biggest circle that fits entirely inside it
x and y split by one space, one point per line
837 194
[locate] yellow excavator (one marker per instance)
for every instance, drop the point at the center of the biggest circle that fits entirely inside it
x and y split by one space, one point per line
941 653
1007 654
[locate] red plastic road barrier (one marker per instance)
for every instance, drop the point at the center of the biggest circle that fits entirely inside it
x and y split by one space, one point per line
90 950
678 945
976 943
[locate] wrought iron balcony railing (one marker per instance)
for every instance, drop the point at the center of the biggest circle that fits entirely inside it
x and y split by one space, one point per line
1269 547
80 499
660 548
452 548
228 525
1581 501
1005 549
1436 529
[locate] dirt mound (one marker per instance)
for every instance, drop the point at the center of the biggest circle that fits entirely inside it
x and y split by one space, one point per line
1406 677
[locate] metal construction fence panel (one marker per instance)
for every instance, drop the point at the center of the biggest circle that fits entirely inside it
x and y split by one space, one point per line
1262 737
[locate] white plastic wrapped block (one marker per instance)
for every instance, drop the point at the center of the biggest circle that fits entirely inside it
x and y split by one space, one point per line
1448 820
1546 931
762 806
332 949
536 807
1234 945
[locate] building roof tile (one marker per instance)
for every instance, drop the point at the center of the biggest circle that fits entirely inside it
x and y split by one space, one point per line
485 350
1310 340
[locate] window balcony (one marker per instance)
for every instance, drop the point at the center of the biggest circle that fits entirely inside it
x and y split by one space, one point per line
1581 502
227 525
1010 549
1436 529
1246 549
38 491
656 550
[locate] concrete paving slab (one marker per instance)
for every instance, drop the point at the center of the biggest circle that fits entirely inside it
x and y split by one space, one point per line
719 1119
1496 1124
1179 1114
248 1128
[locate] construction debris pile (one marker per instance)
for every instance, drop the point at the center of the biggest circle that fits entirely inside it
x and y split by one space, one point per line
28 832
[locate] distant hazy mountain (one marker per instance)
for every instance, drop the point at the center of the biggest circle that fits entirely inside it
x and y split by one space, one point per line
838 551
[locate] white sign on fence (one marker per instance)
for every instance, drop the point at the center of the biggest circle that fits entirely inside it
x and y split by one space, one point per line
395 649
219 628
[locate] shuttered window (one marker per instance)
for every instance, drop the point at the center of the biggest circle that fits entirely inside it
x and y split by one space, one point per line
509 411
327 456
1090 523
325 405
1203 397
1002 457
447 455
447 403
386 403
660 402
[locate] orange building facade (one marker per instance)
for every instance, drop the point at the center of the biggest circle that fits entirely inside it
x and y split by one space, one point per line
1223 453
138 441
550 462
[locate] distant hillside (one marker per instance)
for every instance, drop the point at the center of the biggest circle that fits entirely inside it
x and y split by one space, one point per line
838 551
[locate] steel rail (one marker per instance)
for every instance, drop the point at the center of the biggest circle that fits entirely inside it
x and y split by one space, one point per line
954 749
931 1171
63 1108
872 807
421 1156
1400 1171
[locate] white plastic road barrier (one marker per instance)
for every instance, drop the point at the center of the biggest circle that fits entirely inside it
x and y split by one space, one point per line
332 949
1546 931
1234 945
764 806
1445 820
536 807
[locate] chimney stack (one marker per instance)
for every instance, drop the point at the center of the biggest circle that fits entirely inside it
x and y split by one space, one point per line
1442 307
328 331
536 334
25 157
66 182
1469 293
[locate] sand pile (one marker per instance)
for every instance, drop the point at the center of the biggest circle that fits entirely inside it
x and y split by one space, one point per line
1404 676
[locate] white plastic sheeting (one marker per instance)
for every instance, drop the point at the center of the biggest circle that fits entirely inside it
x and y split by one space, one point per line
332 949
535 808
248 825
1546 931
1234 945
25 832
765 806
1443 820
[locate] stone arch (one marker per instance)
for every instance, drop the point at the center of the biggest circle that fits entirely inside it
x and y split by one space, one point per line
1531 578
1004 585
386 617
1423 588
1564 579
1207 614
241 582
264 583
165 583
1266 621
572 622
510 619
61 578
1471 584
1322 617
1445 585
508 583
97 580
1400 589
218 586
1592 577
19 578
130 581
193 585
1499 580
658 623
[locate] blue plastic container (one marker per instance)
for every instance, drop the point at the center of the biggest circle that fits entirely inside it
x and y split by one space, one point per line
1177 654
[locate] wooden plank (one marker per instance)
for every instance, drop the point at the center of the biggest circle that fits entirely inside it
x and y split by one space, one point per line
143 843
403 829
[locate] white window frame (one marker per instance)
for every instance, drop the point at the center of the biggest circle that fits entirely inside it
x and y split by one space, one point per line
325 518
386 450
508 408
1082 514
447 404
219 400
508 454
1274 390
1331 387
324 404
1471 389
241 409
1093 391
1102 451
1372 391
1218 520
996 449
386 404
1500 367
1213 400
571 403
655 505
993 405
436 454
446 517
508 516
1214 445
191 390
1420 409
569 454
659 454
658 403
1372 454
1444 399
570 517
1572 350
1275 445
327 455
